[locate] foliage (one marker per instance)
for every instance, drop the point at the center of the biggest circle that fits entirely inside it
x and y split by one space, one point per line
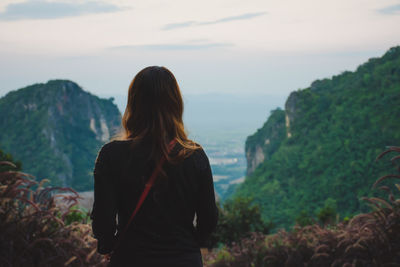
304 218
16 165
237 219
37 232
77 214
371 239
327 214
334 130
248 252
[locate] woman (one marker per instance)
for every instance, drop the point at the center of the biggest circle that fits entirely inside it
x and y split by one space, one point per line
163 232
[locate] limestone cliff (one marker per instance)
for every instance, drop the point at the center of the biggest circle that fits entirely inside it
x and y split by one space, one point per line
290 111
261 145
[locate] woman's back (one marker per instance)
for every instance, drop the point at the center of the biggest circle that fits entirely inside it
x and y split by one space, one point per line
162 233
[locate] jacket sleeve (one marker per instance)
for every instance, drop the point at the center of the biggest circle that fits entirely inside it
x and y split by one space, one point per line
207 212
105 205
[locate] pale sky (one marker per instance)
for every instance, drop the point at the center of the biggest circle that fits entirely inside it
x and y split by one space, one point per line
212 46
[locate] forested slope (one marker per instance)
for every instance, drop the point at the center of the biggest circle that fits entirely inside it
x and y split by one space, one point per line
333 132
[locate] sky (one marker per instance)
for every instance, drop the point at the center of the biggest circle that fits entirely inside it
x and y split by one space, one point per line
266 47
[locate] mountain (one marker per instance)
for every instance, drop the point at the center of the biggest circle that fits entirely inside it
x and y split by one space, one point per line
55 130
321 149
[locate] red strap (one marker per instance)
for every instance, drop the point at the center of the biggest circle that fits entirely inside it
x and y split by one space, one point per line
146 190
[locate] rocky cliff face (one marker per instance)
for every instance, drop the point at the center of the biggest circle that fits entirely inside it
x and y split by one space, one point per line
261 145
290 111
56 129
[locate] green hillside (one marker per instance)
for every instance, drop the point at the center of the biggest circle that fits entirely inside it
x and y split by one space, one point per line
55 130
332 133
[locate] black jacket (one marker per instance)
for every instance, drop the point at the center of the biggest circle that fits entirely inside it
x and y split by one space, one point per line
163 229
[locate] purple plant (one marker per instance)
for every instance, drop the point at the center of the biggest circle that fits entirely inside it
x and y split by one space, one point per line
33 228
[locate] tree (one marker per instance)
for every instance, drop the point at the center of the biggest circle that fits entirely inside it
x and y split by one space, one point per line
237 219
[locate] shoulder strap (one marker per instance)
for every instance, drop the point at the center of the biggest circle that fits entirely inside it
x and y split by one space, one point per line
145 192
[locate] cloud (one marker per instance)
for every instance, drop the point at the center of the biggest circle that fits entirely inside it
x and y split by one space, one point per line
232 18
390 10
176 46
226 19
179 25
42 9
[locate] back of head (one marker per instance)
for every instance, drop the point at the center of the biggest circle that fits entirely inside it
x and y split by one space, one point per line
154 113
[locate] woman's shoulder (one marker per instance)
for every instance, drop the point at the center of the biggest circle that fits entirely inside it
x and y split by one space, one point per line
114 146
200 158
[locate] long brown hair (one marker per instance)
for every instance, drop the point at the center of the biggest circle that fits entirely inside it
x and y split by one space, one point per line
154 114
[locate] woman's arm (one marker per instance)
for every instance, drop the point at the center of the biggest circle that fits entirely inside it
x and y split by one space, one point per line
105 205
207 212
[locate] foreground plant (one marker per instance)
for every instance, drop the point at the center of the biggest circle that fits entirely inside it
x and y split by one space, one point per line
34 231
371 239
